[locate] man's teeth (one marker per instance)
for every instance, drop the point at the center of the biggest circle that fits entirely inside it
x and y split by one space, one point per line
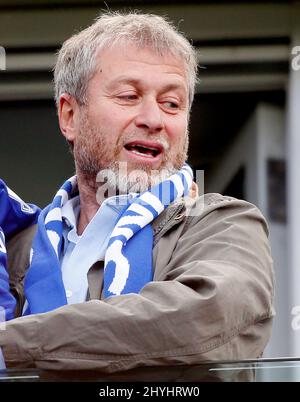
144 151
141 153
151 149
146 148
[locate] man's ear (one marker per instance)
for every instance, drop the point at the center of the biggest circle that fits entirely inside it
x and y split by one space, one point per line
68 116
194 190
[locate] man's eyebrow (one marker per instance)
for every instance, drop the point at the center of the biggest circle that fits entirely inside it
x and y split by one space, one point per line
136 82
174 86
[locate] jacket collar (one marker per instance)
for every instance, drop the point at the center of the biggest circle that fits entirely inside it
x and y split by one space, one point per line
171 216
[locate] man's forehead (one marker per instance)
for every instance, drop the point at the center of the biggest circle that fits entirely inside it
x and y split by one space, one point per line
134 65
133 54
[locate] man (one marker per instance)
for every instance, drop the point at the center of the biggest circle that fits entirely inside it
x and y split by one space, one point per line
178 287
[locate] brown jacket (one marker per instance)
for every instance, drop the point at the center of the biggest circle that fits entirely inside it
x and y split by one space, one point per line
211 299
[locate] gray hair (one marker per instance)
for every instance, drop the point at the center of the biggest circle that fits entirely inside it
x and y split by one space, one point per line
76 63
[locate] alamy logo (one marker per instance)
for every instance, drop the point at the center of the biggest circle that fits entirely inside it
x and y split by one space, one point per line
296 58
2 321
296 320
120 180
2 58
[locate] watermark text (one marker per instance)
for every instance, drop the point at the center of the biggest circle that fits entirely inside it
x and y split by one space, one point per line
121 180
2 59
2 318
296 320
296 58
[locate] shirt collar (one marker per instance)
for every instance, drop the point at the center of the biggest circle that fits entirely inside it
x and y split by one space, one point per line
118 202
70 212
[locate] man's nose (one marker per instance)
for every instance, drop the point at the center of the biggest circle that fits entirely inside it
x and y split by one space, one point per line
149 116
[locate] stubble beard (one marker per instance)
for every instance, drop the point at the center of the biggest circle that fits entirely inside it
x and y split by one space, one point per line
97 163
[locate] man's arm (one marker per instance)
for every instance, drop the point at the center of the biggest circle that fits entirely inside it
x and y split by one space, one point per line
213 299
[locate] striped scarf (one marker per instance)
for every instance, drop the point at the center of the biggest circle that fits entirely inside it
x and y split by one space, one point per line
126 269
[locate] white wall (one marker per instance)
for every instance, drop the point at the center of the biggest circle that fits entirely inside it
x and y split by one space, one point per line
261 138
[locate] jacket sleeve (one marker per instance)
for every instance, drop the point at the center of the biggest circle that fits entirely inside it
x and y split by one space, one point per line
212 299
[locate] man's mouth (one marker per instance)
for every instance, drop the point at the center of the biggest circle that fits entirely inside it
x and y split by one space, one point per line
144 149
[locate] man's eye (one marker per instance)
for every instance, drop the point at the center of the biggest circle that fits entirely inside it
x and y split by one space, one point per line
171 105
129 97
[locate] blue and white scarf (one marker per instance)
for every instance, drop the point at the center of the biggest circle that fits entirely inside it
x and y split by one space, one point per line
128 258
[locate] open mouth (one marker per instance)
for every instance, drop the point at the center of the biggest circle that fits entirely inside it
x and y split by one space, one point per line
144 149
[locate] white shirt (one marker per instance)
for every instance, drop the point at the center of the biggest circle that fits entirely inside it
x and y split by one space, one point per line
81 252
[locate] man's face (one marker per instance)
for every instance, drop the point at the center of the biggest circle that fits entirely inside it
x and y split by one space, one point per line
137 113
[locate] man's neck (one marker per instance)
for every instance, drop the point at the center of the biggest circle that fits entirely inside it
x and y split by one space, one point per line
89 205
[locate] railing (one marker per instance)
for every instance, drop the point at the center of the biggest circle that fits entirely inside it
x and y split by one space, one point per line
260 370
